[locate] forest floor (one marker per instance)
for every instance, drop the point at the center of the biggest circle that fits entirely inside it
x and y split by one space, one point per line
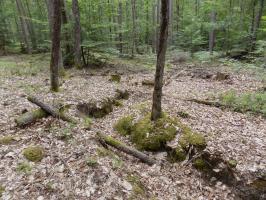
80 168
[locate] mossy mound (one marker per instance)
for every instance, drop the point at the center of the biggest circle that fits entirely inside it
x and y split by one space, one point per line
124 125
200 164
6 140
146 134
34 153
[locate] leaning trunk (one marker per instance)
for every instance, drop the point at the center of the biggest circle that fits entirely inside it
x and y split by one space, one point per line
157 94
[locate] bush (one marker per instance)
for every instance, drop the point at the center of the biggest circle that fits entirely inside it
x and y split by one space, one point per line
249 102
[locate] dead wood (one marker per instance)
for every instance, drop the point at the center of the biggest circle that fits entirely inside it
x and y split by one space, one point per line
124 148
30 117
51 110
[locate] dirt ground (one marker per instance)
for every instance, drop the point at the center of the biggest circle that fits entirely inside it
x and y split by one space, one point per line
64 172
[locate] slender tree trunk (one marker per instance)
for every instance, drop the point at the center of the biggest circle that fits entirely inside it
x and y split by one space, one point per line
50 8
31 27
133 50
120 35
158 23
157 94
77 33
56 32
212 32
257 21
177 15
24 27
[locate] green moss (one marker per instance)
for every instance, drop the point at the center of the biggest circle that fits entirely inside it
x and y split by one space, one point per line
92 162
179 155
124 125
6 140
87 123
138 187
118 103
34 153
183 114
152 136
115 78
189 138
232 163
2 190
200 164
24 167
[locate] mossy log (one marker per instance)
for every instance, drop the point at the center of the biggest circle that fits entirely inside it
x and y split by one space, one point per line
30 117
124 148
51 110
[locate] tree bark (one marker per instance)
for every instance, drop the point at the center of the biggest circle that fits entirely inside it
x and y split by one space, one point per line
124 148
50 8
77 33
157 94
56 32
120 35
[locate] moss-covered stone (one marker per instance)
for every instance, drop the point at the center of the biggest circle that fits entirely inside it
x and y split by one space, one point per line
2 190
152 136
33 153
115 78
6 140
124 125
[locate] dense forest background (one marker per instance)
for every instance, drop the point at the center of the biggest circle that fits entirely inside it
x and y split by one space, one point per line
234 28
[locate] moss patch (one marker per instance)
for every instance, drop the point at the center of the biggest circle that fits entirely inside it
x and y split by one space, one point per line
6 140
124 125
115 78
200 164
2 190
24 167
34 153
232 163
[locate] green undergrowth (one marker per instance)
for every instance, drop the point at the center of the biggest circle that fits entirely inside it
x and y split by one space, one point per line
6 140
139 190
153 136
254 102
24 167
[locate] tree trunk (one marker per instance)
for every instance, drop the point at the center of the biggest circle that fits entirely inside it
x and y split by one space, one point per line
257 21
56 32
120 35
24 27
50 8
212 32
133 50
157 94
77 33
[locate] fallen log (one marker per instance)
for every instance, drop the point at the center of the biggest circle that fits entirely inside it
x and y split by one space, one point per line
124 148
30 117
51 110
207 103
